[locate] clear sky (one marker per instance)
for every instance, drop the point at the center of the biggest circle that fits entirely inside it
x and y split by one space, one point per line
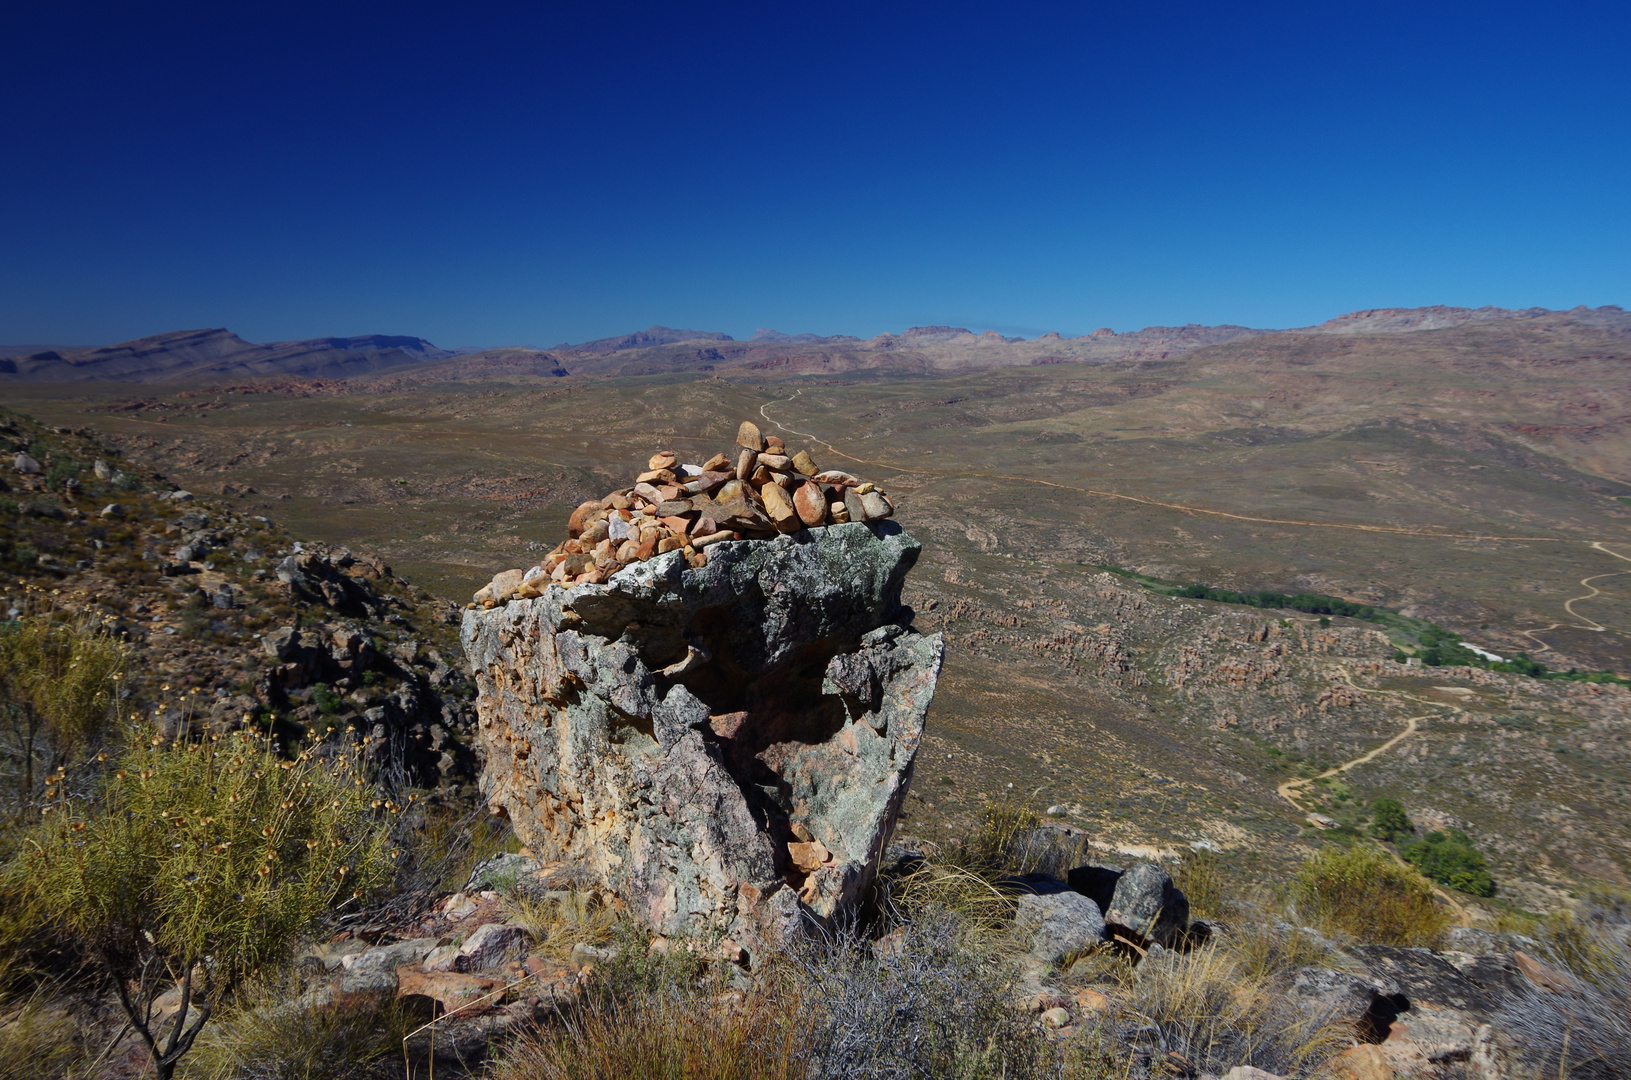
529 173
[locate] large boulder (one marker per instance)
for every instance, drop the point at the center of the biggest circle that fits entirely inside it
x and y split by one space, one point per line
1058 925
1146 906
724 748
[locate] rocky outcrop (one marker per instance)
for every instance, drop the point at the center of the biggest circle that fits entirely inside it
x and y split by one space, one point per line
724 747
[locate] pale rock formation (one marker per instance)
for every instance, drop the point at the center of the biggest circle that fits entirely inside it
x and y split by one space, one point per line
724 748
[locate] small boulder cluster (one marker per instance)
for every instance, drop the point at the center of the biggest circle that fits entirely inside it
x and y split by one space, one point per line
760 493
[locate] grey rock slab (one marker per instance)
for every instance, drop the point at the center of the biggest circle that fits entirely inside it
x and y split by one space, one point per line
441 958
659 735
491 945
391 957
1368 1003
1429 979
1057 925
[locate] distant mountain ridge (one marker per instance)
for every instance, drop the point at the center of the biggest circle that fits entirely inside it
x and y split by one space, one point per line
656 350
219 352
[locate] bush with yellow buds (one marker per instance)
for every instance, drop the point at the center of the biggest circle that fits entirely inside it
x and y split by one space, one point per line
205 861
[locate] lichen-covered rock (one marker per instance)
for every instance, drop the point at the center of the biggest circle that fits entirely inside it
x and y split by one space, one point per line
724 748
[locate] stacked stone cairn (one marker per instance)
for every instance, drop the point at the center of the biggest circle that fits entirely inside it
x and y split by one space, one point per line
758 494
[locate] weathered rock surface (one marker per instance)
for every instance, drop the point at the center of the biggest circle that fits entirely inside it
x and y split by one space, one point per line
726 747
1059 924
1146 905
1368 1003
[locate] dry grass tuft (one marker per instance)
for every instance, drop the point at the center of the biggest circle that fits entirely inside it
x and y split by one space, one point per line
1583 1028
1203 1011
267 1038
1201 877
665 1037
669 1016
38 1040
1266 952
559 921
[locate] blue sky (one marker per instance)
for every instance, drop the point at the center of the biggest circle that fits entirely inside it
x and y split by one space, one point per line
508 173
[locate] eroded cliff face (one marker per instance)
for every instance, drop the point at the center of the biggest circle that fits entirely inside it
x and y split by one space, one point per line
724 748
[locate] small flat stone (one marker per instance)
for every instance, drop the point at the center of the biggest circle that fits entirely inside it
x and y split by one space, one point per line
838 512
808 857
648 493
748 436
717 463
677 525
778 462
673 508
804 463
663 459
835 476
774 443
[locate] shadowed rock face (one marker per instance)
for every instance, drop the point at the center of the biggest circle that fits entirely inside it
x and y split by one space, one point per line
725 748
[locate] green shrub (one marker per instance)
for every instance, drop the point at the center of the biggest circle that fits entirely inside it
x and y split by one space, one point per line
198 863
1390 821
327 701
1449 857
60 473
58 693
1362 892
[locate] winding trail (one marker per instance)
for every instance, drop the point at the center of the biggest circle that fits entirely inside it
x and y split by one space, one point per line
1288 790
1568 605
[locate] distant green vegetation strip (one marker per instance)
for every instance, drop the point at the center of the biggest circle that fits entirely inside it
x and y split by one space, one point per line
1431 643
